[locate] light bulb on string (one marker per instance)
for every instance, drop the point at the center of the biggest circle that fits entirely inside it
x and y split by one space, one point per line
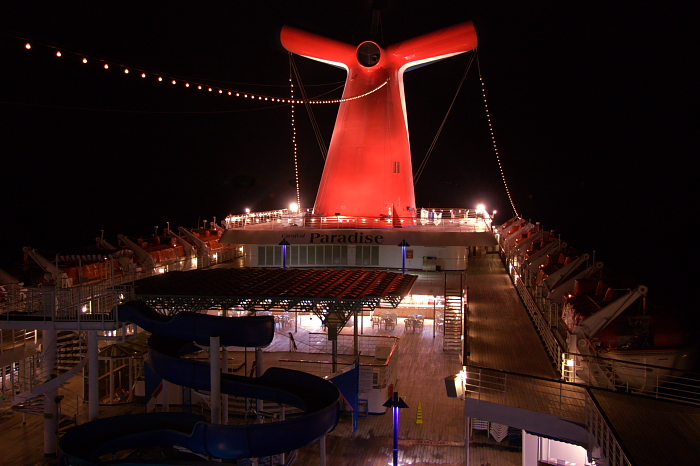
294 143
495 146
261 98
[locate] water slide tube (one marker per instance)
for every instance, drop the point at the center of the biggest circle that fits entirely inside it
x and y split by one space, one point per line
174 337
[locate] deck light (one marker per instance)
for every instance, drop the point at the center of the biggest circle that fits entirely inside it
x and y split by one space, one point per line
396 404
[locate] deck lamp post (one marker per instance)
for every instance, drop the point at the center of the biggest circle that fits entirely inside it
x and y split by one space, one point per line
284 243
403 245
396 404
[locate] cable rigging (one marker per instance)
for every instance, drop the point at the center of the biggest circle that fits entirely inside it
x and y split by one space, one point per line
314 124
416 177
442 125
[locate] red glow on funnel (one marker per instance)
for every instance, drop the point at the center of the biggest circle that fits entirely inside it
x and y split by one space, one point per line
368 170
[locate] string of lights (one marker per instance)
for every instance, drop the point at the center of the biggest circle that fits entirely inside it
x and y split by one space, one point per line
493 138
193 84
294 141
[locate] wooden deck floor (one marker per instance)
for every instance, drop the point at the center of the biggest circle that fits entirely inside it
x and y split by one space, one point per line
501 337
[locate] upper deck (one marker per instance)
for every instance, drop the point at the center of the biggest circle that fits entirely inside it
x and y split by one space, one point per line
434 227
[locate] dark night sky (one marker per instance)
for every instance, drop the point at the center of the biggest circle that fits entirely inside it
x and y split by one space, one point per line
591 104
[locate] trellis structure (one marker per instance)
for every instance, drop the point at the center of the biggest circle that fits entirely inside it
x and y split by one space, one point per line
332 295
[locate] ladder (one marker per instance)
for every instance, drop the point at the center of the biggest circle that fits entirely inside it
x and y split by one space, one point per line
453 313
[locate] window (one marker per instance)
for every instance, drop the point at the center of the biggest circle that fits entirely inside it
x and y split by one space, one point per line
367 256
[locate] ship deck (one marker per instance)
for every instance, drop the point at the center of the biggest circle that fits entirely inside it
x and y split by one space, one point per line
501 336
495 312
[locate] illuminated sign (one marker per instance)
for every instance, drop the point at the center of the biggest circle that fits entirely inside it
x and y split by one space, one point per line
352 238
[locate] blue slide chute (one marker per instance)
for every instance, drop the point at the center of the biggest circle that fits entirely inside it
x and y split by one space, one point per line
174 337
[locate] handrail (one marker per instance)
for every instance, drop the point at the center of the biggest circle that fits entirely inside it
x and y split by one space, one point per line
552 345
598 426
563 399
88 303
451 219
642 379
526 392
367 349
33 374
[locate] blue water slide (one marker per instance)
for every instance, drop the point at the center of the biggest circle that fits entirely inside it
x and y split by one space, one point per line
174 337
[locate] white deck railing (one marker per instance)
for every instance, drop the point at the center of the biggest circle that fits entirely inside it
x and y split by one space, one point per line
442 219
551 344
548 397
526 392
599 428
87 303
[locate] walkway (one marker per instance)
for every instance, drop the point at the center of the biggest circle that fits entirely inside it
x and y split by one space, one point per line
501 335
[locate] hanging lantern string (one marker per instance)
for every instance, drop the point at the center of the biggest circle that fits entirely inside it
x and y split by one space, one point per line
493 137
294 140
175 80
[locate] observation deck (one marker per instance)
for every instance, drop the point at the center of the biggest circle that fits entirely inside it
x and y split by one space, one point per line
434 227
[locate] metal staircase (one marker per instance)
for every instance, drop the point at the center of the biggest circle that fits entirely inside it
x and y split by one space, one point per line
70 409
36 378
454 314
